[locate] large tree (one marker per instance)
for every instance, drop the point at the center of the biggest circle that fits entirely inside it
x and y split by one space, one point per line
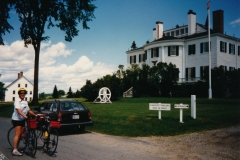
55 92
2 90
38 15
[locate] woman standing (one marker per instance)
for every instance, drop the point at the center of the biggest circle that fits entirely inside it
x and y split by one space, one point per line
21 109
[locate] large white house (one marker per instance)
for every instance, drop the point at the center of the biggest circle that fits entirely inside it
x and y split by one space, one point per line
187 48
12 89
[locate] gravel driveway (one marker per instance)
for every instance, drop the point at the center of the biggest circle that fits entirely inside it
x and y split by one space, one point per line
216 144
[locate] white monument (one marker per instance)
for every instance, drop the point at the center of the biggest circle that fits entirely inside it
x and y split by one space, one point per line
104 96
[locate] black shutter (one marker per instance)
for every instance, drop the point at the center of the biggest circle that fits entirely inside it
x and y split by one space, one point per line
186 72
207 46
130 59
194 48
221 46
239 50
135 59
193 73
201 71
229 47
177 48
210 45
234 49
189 49
157 52
225 47
168 50
151 53
139 57
201 48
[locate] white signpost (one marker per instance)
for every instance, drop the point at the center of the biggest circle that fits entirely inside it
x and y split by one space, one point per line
181 107
159 107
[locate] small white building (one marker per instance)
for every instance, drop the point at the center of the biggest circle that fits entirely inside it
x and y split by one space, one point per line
187 47
11 92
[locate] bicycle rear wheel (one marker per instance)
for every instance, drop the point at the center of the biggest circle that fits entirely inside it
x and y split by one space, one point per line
52 142
10 136
40 140
31 143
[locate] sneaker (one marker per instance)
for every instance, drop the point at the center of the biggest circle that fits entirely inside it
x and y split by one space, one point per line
16 153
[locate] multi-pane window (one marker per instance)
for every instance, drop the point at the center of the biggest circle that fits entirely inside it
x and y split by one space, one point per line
177 32
182 31
145 55
132 59
13 98
204 47
231 48
223 46
154 52
190 72
204 71
141 57
30 92
172 33
26 85
18 85
231 68
173 50
13 91
186 30
224 68
191 49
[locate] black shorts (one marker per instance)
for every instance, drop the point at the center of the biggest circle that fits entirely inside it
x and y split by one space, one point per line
18 123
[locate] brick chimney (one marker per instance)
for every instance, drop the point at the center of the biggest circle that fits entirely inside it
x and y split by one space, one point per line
218 21
191 22
20 74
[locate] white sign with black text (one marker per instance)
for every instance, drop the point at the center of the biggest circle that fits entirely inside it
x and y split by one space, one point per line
160 107
181 107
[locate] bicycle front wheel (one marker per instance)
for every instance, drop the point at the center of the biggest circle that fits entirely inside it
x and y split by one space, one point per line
11 135
52 142
31 143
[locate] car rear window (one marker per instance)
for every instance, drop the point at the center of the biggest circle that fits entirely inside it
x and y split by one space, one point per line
71 106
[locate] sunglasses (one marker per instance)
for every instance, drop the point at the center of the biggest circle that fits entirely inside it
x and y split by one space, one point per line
22 93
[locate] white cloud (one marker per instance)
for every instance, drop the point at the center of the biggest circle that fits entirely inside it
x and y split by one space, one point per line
235 23
15 58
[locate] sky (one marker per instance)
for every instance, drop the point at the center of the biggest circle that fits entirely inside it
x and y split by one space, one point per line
99 50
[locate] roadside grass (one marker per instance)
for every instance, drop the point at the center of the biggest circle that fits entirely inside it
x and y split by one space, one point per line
132 117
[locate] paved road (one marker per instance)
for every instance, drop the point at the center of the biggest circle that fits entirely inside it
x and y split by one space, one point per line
84 146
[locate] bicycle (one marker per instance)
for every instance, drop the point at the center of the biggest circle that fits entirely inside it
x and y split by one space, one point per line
47 135
28 139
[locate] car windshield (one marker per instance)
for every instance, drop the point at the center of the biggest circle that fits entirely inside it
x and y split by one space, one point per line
71 106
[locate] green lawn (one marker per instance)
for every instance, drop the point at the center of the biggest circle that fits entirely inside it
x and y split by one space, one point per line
132 117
